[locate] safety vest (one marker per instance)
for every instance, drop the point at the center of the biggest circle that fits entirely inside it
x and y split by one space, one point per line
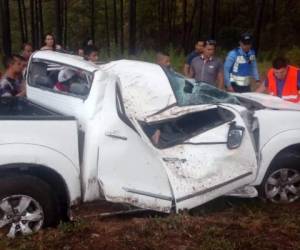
290 91
241 71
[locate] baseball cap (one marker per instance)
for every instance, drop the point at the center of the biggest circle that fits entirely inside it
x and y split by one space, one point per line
246 38
65 74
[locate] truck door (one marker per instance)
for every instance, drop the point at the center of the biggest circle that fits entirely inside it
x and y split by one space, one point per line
129 171
206 151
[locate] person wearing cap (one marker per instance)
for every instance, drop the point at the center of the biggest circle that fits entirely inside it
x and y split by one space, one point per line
240 66
65 77
208 68
283 80
199 46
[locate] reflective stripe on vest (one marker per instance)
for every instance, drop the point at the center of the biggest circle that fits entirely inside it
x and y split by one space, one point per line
290 90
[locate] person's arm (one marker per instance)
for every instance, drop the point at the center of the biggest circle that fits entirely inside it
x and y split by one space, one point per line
5 89
298 80
255 74
220 76
155 137
187 66
230 60
191 71
186 69
22 89
263 87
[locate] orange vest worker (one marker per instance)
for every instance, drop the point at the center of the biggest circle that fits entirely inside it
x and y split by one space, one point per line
290 89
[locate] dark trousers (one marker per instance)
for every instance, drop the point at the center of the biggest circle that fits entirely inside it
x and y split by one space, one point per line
240 89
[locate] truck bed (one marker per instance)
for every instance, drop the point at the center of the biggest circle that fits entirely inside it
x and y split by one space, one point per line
20 108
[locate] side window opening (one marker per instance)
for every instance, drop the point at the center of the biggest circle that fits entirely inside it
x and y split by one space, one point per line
60 78
121 109
177 131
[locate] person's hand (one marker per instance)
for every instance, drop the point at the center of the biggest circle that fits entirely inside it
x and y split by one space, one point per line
155 137
230 89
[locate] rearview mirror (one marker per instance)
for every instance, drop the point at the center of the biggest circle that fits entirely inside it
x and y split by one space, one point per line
235 135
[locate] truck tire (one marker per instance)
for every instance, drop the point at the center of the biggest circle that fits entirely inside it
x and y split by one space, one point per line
281 183
26 205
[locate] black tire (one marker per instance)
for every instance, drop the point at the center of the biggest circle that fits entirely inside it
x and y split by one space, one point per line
33 187
288 161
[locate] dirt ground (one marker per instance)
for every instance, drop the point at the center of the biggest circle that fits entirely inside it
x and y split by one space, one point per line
225 223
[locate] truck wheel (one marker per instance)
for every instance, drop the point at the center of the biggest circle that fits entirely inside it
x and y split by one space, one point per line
26 205
282 182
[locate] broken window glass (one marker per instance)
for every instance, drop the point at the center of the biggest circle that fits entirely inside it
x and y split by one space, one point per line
189 92
180 129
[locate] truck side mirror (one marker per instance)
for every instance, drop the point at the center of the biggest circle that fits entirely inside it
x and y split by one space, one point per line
235 136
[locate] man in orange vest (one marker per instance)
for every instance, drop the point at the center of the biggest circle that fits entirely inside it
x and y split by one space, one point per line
283 80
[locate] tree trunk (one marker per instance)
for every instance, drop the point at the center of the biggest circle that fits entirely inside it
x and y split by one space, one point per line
115 22
273 18
213 19
122 27
184 23
200 17
107 28
92 6
36 24
169 19
24 20
190 26
6 32
58 21
132 27
33 28
41 20
258 23
162 14
65 23
21 18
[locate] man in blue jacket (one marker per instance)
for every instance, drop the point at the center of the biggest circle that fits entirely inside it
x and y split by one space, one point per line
240 66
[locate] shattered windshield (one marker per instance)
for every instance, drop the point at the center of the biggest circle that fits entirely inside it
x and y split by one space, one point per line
189 92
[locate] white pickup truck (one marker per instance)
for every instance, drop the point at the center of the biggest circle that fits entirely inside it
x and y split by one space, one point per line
94 141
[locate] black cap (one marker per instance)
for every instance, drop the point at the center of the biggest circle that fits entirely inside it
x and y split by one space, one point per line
246 38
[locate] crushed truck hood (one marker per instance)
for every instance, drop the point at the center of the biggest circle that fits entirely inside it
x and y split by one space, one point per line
145 87
270 102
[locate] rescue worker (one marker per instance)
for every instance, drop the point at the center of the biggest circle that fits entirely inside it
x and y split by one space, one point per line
283 80
240 66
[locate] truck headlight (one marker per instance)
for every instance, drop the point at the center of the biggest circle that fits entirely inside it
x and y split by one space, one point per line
235 136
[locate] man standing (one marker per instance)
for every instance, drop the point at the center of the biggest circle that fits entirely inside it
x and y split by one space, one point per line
240 66
208 68
282 80
10 84
199 45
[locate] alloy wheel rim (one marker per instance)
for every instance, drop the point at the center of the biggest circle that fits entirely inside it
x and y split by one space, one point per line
283 186
20 215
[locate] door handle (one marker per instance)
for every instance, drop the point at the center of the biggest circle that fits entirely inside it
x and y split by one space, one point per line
116 136
170 159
